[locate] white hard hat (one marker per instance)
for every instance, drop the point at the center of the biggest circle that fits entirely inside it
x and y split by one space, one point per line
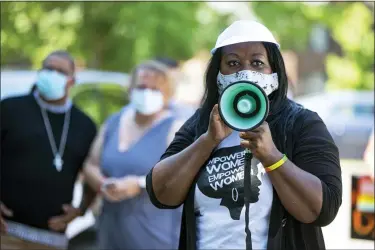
244 31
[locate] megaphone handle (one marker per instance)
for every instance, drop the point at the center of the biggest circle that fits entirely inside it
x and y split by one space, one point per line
247 188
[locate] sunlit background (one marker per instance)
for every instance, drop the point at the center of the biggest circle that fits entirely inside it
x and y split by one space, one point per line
328 48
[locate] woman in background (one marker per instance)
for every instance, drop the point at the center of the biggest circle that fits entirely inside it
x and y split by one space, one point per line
129 144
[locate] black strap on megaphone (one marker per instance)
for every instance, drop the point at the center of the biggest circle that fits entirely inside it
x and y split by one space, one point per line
247 189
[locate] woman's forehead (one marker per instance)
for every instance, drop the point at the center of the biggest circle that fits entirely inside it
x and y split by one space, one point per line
146 71
245 48
149 76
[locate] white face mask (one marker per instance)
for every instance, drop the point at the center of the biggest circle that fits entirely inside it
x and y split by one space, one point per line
268 82
147 101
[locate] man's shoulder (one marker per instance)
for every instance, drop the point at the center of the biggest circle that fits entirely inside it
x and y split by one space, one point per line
16 103
19 99
84 118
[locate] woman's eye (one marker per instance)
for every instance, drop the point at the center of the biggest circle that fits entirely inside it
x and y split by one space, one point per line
257 63
233 63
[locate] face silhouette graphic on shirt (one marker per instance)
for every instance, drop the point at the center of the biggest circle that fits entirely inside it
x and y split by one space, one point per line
223 178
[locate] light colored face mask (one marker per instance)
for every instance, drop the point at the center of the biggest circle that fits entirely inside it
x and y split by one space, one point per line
147 101
268 82
51 84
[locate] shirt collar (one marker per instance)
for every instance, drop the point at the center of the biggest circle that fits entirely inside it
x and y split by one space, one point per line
53 108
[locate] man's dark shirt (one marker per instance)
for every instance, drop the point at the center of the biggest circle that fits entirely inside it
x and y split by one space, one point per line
30 184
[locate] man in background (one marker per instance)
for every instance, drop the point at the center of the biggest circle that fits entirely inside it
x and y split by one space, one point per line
182 110
44 141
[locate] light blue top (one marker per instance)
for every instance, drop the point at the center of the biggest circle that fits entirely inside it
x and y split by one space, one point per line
136 223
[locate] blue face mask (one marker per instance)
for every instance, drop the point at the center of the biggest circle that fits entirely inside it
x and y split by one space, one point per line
51 84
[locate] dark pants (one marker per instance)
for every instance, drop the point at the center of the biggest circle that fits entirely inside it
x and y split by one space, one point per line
85 240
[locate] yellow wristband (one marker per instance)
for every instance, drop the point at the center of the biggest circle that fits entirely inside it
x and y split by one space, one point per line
277 164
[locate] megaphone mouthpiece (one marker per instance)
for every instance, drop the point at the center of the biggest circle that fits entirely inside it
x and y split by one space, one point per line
244 106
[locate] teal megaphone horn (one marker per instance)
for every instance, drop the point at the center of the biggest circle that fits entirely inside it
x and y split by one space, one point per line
243 105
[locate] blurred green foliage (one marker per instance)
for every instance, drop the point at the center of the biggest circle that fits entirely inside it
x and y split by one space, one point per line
107 35
351 25
117 35
99 100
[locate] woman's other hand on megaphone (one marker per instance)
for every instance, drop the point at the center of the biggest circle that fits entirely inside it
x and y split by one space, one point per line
260 143
217 129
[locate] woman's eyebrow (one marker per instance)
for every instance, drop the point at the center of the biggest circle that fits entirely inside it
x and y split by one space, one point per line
231 54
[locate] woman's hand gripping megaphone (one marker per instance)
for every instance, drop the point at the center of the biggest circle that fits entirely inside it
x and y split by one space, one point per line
217 129
259 142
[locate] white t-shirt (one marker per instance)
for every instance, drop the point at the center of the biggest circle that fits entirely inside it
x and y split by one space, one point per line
219 200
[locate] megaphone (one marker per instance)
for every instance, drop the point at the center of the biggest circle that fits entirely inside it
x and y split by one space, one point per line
243 106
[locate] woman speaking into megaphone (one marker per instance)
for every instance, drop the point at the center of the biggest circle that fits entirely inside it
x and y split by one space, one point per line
295 172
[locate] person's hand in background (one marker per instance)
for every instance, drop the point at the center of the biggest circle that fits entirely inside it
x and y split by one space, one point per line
60 223
7 212
122 188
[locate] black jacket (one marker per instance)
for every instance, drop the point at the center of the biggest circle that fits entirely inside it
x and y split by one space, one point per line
310 146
